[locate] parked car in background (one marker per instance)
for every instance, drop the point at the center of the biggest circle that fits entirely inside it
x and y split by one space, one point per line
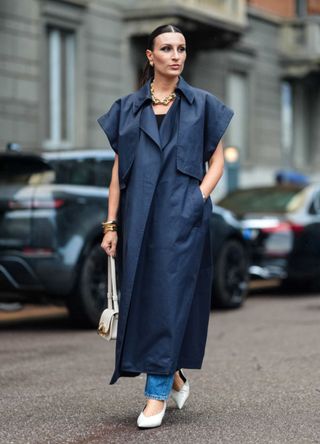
231 253
51 209
283 225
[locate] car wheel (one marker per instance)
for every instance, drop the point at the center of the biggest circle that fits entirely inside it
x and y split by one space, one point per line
230 281
85 305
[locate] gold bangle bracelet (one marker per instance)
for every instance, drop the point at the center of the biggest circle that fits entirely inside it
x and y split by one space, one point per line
110 229
109 224
113 221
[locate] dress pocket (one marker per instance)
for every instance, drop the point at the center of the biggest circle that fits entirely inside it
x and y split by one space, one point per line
194 206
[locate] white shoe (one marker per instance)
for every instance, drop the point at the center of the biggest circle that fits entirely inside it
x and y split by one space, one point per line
146 422
180 396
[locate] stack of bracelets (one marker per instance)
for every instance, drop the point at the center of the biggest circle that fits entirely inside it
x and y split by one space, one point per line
109 225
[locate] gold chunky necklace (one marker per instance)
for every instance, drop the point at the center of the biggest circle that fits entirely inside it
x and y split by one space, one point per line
164 101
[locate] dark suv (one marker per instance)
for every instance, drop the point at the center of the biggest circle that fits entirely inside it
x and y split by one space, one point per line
51 209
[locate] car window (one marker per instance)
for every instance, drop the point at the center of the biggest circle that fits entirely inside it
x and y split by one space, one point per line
73 171
278 200
24 170
315 205
88 172
103 171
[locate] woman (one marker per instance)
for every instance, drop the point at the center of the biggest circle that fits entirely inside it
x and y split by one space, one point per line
158 221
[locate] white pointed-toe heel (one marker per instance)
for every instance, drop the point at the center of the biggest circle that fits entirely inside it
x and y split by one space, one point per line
180 396
146 422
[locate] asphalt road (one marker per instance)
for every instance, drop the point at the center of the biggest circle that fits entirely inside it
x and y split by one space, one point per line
260 381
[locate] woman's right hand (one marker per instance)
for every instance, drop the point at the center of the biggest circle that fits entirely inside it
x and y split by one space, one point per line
109 243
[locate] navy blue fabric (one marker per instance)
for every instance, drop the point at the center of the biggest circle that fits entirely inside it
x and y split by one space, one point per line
163 255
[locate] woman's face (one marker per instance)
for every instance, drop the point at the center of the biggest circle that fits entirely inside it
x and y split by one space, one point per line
169 54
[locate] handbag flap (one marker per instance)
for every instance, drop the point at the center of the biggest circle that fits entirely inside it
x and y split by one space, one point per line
107 315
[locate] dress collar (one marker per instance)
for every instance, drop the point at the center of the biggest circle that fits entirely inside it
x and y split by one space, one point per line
143 94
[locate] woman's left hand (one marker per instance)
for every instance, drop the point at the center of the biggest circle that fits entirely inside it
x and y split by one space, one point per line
109 243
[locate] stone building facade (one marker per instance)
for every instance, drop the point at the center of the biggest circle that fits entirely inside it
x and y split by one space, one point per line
63 62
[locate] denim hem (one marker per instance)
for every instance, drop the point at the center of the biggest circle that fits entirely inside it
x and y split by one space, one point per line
158 387
157 397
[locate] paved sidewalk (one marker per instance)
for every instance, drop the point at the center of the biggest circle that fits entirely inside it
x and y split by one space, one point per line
260 382
31 313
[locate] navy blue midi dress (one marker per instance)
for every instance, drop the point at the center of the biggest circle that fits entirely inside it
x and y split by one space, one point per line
163 253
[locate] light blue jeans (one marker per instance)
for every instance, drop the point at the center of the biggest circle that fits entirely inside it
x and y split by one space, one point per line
158 386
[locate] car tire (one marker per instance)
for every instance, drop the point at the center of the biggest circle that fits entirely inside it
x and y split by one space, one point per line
87 302
231 276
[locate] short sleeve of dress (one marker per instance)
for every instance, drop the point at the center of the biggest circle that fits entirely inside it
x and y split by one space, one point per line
109 122
217 119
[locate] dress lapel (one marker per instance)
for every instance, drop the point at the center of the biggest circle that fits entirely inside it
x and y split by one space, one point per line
169 123
148 124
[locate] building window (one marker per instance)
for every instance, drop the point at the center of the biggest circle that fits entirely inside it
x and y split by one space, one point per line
301 8
237 95
287 121
60 87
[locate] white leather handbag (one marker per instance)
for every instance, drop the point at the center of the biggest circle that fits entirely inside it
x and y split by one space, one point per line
108 323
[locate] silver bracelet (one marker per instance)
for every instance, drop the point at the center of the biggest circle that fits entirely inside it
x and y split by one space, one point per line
204 196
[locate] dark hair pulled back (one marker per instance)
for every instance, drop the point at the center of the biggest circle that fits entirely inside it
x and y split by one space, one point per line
148 70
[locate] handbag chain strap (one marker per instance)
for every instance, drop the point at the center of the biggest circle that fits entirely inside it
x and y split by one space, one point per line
112 296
